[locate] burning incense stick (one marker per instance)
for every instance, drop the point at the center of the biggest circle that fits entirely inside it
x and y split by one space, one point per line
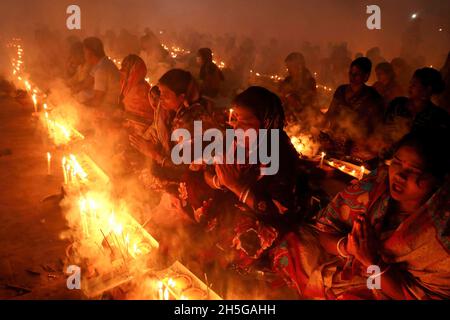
49 158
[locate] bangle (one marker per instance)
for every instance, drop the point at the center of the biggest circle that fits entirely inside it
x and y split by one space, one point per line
339 249
244 199
244 194
374 276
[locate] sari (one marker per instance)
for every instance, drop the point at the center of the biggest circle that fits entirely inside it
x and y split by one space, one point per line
138 112
418 245
352 120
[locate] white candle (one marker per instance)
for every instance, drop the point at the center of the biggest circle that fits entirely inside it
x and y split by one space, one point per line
166 294
230 115
362 172
160 291
321 159
69 175
49 158
34 101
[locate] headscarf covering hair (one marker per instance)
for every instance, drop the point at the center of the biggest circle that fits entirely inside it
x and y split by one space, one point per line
264 104
387 68
297 57
205 54
181 82
135 70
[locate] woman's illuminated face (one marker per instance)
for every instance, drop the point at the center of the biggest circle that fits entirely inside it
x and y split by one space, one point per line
243 118
169 99
407 179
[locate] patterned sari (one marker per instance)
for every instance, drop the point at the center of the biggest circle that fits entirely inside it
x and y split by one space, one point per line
418 245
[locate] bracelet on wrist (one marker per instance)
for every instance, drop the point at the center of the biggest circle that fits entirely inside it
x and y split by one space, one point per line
244 195
339 249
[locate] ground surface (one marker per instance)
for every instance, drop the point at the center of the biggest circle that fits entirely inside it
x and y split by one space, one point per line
31 252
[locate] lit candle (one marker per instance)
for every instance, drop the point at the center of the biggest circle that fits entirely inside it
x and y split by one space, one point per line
362 172
160 291
49 158
166 294
34 101
69 175
64 169
322 156
230 115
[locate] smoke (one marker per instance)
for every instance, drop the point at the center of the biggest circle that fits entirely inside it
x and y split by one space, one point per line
254 34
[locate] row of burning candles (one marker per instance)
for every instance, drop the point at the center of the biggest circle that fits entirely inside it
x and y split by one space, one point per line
359 174
277 77
89 208
59 132
73 172
17 64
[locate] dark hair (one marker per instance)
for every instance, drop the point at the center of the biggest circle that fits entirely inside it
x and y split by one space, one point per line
430 144
95 45
430 77
363 63
205 54
155 90
132 59
181 82
295 56
387 68
264 104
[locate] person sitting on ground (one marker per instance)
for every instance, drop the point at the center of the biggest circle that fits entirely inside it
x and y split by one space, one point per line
134 94
210 75
417 110
298 90
392 226
180 100
258 208
78 70
354 113
386 84
106 77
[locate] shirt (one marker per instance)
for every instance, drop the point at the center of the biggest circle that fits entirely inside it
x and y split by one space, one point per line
107 79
